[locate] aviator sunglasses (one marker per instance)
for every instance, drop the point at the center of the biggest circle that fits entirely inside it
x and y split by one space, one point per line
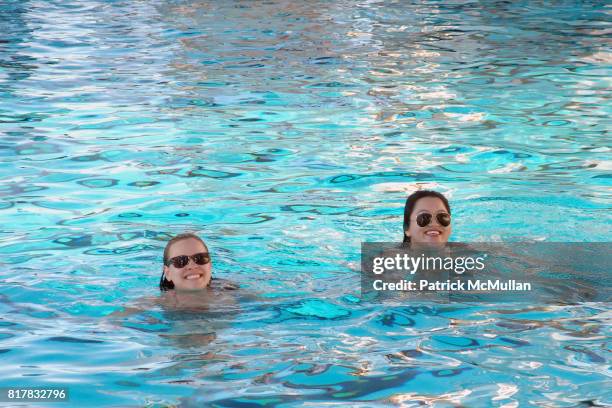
181 261
424 219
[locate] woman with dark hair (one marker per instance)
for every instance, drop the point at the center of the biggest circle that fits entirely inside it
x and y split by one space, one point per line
427 218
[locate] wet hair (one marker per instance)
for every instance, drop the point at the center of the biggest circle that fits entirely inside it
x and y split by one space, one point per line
165 284
411 202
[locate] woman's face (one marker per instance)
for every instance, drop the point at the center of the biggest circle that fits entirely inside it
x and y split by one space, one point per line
192 276
434 232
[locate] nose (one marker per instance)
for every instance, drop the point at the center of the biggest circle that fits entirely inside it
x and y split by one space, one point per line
191 264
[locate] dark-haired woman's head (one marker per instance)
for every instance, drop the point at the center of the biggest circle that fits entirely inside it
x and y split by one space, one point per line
427 218
187 264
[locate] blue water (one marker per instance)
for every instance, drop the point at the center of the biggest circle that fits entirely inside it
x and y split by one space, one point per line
285 134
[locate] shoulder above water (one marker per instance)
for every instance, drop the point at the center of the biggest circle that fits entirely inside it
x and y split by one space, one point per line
223 284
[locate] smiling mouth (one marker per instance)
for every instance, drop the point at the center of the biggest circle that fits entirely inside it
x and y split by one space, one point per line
433 233
193 276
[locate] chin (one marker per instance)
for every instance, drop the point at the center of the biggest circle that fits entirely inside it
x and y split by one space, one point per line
193 286
429 241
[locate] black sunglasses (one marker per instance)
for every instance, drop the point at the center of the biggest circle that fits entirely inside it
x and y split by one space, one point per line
424 219
181 261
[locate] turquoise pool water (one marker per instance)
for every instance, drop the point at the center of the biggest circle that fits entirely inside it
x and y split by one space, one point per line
286 133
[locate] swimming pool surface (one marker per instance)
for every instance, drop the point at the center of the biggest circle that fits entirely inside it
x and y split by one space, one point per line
286 133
